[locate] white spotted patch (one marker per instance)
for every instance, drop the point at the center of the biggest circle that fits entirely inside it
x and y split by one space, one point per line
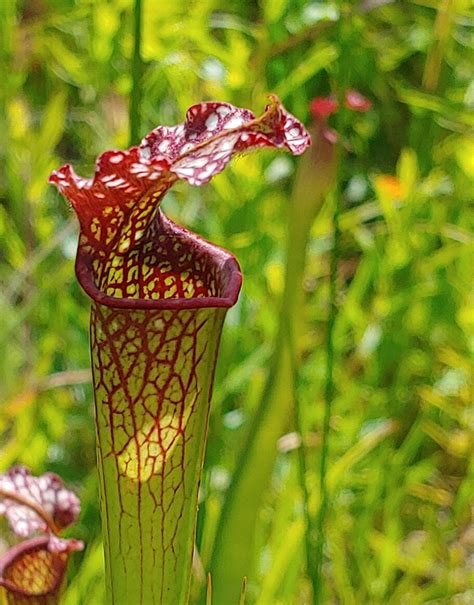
194 151
185 171
46 492
81 183
108 177
208 170
212 121
223 111
116 182
233 123
198 162
294 132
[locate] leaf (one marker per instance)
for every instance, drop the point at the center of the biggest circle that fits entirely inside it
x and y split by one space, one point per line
318 58
418 99
274 9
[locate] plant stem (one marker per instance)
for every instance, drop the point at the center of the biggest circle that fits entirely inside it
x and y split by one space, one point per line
328 399
434 58
329 386
234 543
231 557
310 535
137 69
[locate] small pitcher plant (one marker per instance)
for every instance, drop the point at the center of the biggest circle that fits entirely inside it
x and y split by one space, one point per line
159 296
33 571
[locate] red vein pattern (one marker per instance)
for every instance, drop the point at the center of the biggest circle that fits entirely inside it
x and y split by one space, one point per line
159 295
152 405
153 371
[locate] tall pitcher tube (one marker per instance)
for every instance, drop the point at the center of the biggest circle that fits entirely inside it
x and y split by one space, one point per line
153 369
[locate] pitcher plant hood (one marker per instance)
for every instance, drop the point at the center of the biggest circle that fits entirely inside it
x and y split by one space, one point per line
123 258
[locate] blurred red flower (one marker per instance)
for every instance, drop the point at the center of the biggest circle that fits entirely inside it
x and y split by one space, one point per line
357 102
322 107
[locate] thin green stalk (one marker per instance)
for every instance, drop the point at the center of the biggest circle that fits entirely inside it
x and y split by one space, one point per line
234 543
329 389
436 54
137 69
232 555
310 535
329 386
209 590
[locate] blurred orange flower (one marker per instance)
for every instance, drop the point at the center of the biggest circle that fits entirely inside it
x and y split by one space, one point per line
389 186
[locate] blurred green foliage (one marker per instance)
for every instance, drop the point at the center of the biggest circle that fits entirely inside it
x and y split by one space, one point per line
401 474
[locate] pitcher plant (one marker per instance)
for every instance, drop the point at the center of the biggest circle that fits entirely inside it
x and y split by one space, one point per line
159 296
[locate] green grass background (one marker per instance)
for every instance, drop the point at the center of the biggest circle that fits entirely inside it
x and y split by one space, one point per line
398 525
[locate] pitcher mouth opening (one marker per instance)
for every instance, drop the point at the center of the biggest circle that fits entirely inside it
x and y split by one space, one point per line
171 268
13 580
